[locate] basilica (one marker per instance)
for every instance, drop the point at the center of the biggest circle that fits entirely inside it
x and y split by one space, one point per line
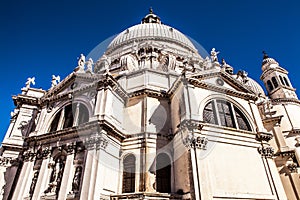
152 118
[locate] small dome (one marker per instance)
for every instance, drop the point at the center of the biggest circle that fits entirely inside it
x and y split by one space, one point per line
268 62
252 85
255 87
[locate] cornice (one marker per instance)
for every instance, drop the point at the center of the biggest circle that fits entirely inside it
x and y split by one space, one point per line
285 100
84 130
24 99
228 91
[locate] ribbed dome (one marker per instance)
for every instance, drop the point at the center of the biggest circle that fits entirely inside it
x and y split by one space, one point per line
255 87
146 31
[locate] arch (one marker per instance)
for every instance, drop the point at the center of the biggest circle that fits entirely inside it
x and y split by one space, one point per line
269 85
128 174
224 113
281 80
55 121
286 81
274 81
69 115
163 173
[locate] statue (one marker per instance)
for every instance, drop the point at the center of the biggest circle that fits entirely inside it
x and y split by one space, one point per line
76 180
55 80
29 82
56 175
81 63
227 68
243 75
33 183
214 55
89 65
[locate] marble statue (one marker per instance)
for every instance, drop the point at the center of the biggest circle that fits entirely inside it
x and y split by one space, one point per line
89 65
76 179
214 55
55 80
29 82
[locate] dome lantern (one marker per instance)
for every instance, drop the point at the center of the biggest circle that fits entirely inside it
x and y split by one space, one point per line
151 18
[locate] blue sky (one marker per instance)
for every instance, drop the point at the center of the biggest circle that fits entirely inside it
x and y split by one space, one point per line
40 38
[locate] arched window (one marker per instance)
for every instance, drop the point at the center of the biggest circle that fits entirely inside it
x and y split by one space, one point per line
269 85
286 81
65 118
163 173
281 80
224 113
129 174
274 81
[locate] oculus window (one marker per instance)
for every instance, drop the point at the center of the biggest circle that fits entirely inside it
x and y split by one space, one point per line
224 113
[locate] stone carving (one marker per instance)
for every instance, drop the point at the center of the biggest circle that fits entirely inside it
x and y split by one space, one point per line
214 55
29 82
261 136
14 113
96 141
243 76
81 63
56 176
292 167
268 152
199 142
33 183
89 66
55 80
9 161
23 126
128 62
76 179
102 64
227 68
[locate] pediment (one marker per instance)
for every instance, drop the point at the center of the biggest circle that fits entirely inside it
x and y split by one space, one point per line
221 82
75 82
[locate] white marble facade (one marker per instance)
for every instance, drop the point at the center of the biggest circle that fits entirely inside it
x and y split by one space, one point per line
153 119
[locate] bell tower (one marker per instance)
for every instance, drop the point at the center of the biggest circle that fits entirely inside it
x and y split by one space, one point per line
276 79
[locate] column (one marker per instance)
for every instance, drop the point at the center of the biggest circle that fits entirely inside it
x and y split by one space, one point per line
44 175
23 182
87 174
68 174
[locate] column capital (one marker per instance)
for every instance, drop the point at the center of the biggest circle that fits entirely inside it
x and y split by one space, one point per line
268 152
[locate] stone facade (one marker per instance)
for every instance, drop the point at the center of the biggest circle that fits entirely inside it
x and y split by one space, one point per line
154 119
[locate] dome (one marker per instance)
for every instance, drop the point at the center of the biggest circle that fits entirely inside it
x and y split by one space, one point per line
251 84
150 31
268 62
255 87
151 28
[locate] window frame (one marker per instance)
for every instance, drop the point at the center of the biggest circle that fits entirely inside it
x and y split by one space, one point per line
74 109
233 109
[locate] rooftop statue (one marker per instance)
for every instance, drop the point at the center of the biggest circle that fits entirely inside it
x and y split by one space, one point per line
89 65
55 80
214 55
29 82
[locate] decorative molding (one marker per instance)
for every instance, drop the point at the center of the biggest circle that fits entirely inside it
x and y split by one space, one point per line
268 152
199 142
9 161
292 167
96 141
262 136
